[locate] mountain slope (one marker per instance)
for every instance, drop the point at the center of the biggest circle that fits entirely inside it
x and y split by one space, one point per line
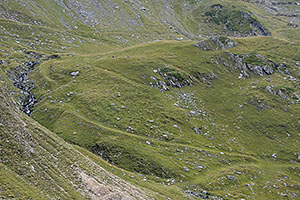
173 111
36 164
138 19
185 99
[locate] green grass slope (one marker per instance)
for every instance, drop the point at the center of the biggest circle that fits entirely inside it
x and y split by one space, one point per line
116 107
36 164
116 81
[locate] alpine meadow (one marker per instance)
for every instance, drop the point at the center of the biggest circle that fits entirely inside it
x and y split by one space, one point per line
149 99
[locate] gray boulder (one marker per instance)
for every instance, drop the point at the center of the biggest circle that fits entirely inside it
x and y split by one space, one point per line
186 169
282 94
231 178
197 130
268 70
270 90
74 73
258 70
283 69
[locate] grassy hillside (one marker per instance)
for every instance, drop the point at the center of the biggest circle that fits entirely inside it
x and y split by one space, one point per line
114 109
154 92
36 164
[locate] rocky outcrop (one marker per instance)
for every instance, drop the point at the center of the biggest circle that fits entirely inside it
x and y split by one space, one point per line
260 105
293 97
175 79
260 70
258 28
170 78
216 43
235 21
259 66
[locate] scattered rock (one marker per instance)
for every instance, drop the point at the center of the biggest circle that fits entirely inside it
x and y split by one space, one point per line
259 105
282 93
231 178
283 69
186 169
74 73
197 130
239 173
202 195
284 195
217 7
260 56
270 90
293 195
53 57
165 137
192 113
